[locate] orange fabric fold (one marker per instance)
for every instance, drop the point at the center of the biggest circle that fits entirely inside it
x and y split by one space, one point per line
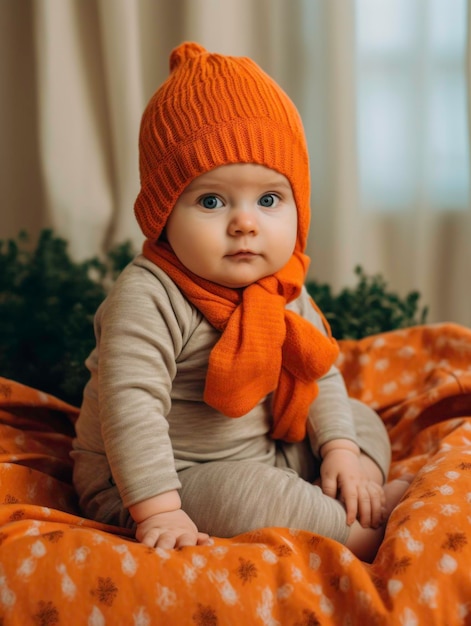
263 347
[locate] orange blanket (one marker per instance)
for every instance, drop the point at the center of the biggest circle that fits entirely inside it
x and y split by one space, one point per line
58 568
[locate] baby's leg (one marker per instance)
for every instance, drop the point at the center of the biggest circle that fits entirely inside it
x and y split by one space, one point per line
227 498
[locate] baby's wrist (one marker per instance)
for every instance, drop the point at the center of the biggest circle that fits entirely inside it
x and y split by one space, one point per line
163 503
340 444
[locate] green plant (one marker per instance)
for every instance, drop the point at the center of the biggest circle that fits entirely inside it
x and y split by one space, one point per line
48 301
367 308
47 304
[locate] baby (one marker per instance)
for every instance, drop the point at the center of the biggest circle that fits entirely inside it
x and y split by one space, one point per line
214 406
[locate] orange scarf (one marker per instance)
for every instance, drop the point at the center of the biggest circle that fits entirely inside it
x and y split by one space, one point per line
263 348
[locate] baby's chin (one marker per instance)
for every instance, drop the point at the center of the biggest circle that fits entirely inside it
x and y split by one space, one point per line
242 284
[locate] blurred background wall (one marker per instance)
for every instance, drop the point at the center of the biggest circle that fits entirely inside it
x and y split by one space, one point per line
382 87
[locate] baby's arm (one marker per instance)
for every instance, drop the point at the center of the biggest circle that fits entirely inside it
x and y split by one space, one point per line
346 472
348 475
161 523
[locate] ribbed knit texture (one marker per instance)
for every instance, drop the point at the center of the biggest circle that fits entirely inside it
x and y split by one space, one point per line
215 110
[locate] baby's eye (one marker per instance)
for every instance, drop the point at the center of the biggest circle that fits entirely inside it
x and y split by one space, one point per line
268 200
210 202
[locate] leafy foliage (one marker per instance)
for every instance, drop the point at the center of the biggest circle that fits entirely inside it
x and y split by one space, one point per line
48 301
47 304
367 308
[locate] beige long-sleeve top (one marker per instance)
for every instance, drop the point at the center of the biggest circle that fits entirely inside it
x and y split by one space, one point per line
143 417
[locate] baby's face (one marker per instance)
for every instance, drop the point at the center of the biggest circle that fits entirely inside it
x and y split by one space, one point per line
234 224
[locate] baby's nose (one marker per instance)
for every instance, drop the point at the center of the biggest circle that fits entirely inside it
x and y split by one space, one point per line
243 221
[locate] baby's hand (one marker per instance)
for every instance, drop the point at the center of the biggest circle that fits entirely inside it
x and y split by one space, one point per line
343 476
172 529
161 523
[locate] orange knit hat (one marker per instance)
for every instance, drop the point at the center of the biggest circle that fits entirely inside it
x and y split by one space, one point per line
214 110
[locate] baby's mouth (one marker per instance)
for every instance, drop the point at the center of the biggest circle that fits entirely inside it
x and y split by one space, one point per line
243 254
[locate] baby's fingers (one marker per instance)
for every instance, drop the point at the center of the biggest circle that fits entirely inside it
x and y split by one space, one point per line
203 539
167 541
371 505
351 501
187 539
150 538
365 508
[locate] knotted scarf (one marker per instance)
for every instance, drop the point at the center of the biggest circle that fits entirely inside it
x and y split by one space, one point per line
264 348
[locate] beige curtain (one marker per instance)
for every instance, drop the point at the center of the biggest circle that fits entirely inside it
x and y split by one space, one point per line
76 74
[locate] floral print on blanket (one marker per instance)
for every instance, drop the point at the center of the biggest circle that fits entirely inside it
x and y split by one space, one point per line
58 568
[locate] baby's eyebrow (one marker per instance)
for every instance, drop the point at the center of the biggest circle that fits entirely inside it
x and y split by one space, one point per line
217 186
277 183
